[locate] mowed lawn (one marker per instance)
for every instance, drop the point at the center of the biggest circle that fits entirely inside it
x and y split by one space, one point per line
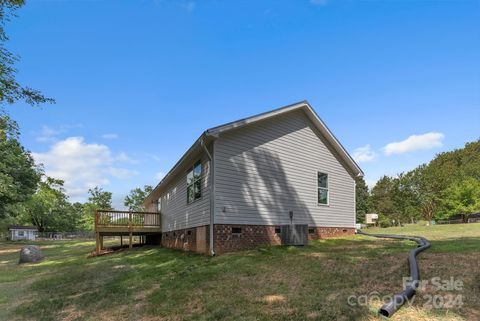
270 283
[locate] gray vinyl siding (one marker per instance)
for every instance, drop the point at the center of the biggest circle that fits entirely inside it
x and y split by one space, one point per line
267 169
176 213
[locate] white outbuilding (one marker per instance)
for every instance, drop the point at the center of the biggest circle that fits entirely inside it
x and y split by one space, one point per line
18 232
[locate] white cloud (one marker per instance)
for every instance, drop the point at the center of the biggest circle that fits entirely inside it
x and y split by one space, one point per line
110 136
319 2
160 175
121 173
48 134
415 142
123 157
364 154
81 165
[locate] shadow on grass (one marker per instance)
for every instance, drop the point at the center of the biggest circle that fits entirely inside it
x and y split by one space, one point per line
312 282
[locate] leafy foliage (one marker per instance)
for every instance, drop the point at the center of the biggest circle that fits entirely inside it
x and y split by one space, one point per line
49 210
134 200
463 198
100 198
362 199
18 175
10 90
447 186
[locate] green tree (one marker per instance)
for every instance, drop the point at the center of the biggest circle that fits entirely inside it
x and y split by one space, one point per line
10 90
405 200
362 199
462 198
100 198
434 190
428 185
18 175
134 200
88 216
48 209
382 198
97 200
74 217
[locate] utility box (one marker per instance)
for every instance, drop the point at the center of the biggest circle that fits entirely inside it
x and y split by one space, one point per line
294 234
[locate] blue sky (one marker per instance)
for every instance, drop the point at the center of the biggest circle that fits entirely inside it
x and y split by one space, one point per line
136 82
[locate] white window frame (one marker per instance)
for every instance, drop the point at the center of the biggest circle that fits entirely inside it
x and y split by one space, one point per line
323 188
159 204
192 170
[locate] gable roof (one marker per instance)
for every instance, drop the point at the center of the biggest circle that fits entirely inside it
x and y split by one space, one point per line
22 227
212 133
312 115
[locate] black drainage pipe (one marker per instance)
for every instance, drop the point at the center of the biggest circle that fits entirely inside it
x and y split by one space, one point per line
401 298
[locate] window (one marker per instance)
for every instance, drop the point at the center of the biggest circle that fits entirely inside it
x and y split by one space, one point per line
159 205
311 230
194 183
236 230
21 233
277 230
322 188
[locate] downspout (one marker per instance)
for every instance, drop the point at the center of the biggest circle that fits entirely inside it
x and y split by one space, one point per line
212 197
355 203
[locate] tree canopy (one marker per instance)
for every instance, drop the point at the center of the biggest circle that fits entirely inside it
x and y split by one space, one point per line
100 198
19 176
447 186
134 200
10 90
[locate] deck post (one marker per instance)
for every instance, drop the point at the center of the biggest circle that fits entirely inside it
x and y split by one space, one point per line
121 240
130 230
101 242
97 234
97 242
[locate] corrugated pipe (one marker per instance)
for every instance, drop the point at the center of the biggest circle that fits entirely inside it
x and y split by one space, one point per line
401 298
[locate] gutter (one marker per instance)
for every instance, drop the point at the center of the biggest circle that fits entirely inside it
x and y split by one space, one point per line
399 299
212 197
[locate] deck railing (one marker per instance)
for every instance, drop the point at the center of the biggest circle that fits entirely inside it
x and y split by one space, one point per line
107 218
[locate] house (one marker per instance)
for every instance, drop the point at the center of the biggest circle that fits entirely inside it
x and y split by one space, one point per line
241 182
18 232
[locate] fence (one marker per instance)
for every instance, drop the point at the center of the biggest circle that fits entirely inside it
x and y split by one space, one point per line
460 221
65 235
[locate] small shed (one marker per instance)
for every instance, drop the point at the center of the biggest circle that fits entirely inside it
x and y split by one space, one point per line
19 232
371 218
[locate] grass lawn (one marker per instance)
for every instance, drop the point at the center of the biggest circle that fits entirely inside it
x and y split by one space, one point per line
270 283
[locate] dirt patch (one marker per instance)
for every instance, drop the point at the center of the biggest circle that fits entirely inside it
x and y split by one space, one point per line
70 314
274 298
6 251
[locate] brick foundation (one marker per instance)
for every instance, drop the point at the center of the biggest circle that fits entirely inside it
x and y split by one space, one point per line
191 239
250 237
328 232
228 238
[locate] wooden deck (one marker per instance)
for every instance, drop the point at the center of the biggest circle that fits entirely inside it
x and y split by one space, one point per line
125 223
